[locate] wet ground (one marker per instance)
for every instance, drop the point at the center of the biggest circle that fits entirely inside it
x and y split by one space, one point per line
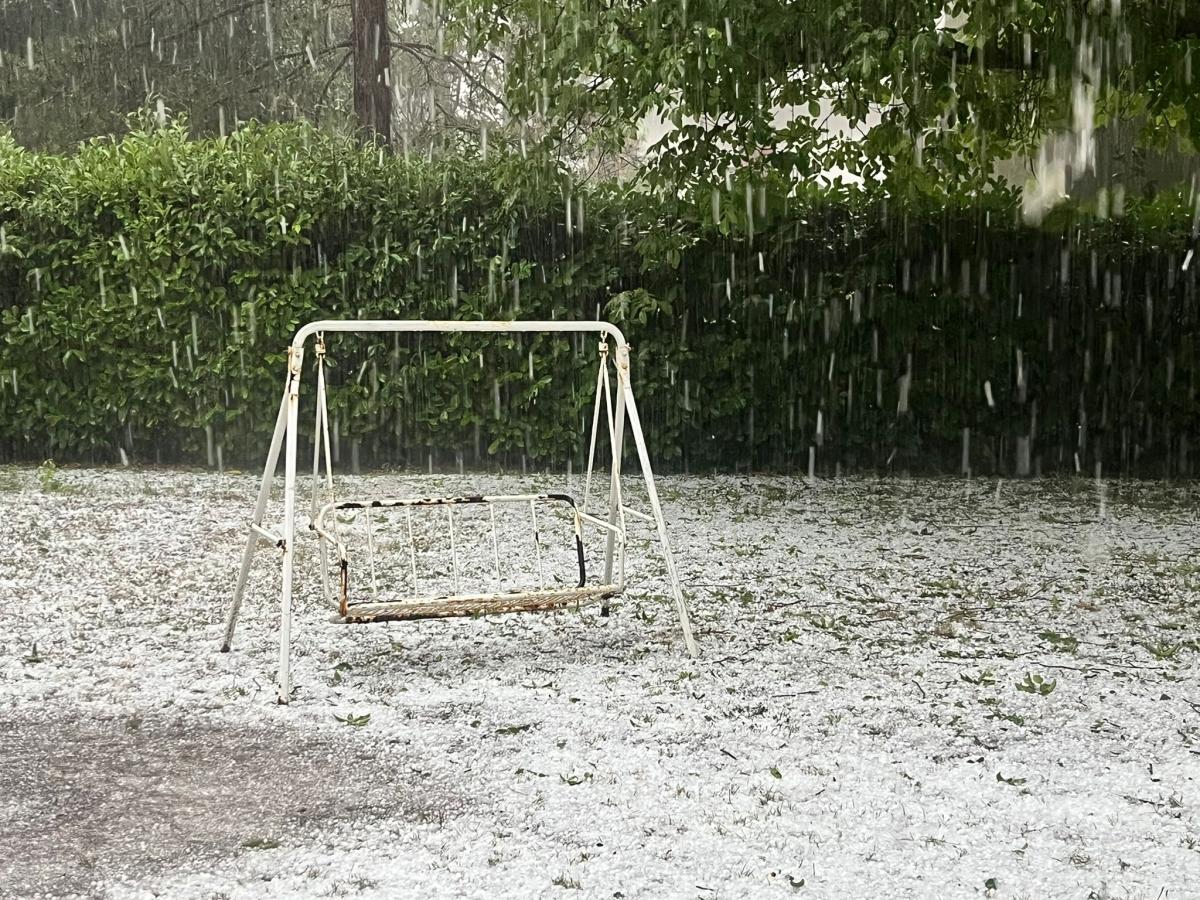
86 803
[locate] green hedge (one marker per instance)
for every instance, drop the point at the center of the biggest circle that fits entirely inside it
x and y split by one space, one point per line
148 289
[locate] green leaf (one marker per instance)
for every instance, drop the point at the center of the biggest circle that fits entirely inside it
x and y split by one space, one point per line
1037 684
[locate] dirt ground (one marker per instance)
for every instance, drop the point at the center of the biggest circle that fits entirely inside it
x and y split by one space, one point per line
88 802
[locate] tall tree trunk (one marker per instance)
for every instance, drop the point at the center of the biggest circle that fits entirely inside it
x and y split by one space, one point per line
372 59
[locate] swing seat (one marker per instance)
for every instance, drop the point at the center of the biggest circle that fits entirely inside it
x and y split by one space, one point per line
475 604
463 604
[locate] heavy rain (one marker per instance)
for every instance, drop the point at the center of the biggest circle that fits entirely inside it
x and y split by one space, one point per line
623 448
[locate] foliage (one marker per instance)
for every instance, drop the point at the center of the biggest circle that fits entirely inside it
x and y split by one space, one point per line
75 70
72 70
47 475
149 288
918 97
1037 684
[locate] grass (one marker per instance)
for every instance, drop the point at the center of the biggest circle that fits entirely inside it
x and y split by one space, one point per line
49 479
260 843
1185 569
1064 642
1163 650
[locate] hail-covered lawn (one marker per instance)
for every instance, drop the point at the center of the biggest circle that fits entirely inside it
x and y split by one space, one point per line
905 688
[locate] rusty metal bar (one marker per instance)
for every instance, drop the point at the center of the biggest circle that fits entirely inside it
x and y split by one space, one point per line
495 543
453 546
446 501
412 502
476 604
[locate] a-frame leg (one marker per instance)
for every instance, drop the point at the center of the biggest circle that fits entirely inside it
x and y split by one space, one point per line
615 514
260 509
625 398
284 437
321 442
292 410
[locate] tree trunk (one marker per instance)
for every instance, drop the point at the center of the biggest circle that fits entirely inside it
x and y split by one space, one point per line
372 61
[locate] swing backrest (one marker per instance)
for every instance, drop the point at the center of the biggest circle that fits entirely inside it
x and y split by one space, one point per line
416 557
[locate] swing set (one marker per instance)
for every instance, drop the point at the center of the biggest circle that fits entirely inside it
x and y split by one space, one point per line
450 579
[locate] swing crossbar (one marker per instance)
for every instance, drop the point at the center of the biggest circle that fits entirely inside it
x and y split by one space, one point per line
467 604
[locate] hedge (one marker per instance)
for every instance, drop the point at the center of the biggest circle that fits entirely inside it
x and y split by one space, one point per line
149 287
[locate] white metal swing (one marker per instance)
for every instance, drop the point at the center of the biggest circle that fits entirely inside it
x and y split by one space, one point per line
616 406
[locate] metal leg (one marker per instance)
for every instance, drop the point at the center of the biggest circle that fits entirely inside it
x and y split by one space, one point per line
600 378
289 526
614 487
260 509
328 462
639 439
316 480
615 516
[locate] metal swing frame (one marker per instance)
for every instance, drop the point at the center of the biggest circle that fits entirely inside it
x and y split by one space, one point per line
619 406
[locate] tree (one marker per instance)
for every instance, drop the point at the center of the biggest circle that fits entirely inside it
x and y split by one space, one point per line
75 69
929 94
372 49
